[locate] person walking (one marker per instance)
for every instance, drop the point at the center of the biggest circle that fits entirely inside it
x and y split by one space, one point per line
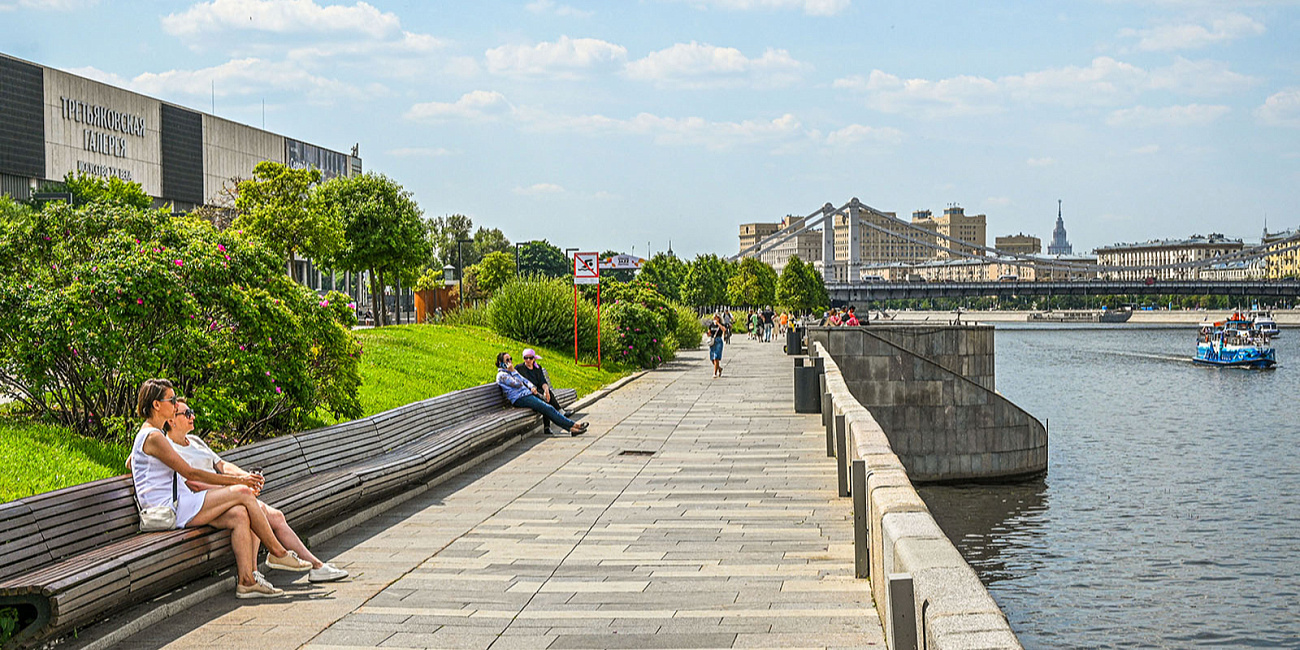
728 321
769 321
717 332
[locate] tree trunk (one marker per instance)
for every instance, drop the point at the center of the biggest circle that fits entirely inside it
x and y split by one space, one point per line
383 298
374 306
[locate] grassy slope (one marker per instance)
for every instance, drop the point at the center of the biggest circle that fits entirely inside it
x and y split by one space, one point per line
38 458
400 365
404 364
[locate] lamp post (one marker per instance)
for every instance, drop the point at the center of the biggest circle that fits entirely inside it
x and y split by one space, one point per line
517 245
448 279
568 255
460 259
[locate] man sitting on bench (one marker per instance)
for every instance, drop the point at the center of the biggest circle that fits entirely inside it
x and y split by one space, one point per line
522 393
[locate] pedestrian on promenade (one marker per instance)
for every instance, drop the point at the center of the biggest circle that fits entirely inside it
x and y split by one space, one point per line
850 318
197 453
769 321
727 322
752 321
537 375
521 392
157 471
716 334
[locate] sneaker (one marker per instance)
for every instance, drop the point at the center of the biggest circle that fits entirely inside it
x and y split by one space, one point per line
259 589
326 573
290 562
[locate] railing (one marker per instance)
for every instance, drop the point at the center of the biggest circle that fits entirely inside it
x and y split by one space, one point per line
925 592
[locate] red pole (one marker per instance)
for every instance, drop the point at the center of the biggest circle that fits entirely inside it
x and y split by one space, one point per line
575 323
598 325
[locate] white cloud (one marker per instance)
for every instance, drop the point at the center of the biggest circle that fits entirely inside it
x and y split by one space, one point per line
1103 82
281 17
1187 36
857 133
809 7
671 130
420 152
1281 108
998 200
700 65
565 58
1145 150
539 189
1040 162
549 6
1189 115
250 77
478 105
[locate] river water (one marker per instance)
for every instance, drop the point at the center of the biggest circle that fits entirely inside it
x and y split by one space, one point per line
1170 514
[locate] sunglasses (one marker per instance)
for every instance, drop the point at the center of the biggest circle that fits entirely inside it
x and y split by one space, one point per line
173 399
529 358
189 413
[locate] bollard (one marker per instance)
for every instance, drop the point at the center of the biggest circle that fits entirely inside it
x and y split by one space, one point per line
830 429
861 526
842 455
902 612
826 396
806 398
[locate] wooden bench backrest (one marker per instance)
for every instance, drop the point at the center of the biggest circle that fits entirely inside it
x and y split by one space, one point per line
48 527
341 444
281 460
21 546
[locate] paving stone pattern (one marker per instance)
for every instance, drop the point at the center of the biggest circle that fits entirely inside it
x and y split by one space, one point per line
730 535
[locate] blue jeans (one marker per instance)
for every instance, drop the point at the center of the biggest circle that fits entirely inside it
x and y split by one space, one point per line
537 404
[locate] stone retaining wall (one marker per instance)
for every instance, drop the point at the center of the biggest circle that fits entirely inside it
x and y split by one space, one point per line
901 545
931 389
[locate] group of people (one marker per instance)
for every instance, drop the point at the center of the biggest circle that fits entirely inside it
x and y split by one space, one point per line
847 317
173 468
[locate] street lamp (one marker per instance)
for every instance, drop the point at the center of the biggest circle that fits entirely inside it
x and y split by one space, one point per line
460 258
568 255
517 245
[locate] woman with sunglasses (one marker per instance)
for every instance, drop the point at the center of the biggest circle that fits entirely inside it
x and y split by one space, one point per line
522 393
161 476
198 454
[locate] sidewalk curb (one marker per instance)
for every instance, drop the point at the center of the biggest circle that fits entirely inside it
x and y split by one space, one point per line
143 616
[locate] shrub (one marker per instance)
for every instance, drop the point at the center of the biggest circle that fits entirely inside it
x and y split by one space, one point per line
639 335
469 317
95 299
540 311
689 330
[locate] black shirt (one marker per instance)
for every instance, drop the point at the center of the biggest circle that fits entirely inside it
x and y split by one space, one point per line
537 376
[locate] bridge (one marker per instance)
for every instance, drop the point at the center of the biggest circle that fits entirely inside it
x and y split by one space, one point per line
846 293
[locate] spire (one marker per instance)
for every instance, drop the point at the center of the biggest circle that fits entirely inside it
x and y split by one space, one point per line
1060 244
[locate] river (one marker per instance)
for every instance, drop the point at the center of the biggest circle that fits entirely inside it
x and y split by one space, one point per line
1170 513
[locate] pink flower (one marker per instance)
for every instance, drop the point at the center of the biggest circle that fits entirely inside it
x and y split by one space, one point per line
179 263
139 301
241 348
324 303
221 247
352 305
268 373
277 390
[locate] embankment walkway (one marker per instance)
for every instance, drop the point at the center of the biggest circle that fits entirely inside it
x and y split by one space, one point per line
696 513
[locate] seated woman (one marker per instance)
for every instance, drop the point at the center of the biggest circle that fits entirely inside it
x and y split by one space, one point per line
157 471
198 454
521 392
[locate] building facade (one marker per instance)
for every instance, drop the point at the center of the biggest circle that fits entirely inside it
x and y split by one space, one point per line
1164 252
752 233
955 223
878 246
807 245
53 123
1060 242
1020 244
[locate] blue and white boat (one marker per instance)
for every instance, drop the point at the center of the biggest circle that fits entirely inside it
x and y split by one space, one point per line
1264 324
1234 343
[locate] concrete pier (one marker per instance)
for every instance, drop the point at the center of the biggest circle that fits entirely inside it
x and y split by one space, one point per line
696 513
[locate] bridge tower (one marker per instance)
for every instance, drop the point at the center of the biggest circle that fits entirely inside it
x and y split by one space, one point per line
854 269
828 243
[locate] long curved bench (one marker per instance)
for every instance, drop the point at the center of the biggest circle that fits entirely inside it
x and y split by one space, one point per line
72 556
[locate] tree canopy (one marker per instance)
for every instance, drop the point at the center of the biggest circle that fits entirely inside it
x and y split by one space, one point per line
85 188
273 205
753 285
801 288
494 271
541 258
666 272
706 281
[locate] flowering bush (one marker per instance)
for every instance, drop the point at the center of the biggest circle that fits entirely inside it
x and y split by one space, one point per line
638 335
95 299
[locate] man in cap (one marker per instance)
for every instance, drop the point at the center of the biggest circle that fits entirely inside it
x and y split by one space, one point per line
535 373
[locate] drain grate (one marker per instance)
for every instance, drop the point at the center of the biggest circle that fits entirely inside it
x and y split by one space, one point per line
635 452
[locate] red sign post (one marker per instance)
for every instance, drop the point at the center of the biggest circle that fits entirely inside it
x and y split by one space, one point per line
586 270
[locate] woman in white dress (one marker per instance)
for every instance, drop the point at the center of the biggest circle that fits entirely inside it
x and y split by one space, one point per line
198 454
159 472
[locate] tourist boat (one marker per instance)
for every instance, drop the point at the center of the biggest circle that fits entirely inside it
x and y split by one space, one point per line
1234 343
1264 324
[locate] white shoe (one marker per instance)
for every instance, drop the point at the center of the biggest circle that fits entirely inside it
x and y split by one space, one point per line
259 589
290 562
326 573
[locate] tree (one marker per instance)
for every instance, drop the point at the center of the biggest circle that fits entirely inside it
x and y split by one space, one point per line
274 206
85 188
443 234
801 288
488 241
494 271
706 281
753 285
666 272
384 233
540 257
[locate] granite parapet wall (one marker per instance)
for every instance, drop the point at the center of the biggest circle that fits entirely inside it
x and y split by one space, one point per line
932 391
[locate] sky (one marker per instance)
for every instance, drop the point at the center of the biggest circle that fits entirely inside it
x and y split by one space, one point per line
627 125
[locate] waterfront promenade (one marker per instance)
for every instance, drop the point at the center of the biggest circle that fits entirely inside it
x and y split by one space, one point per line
696 513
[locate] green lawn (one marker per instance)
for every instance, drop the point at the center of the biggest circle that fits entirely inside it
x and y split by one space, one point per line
408 363
39 458
400 365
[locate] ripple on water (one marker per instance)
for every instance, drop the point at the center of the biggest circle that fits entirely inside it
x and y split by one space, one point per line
1170 515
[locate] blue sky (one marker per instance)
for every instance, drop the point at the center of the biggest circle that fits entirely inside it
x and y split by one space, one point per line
616 124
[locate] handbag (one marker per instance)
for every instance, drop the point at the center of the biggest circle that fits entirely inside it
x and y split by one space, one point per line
159 518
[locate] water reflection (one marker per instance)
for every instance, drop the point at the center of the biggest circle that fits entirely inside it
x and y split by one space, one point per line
983 520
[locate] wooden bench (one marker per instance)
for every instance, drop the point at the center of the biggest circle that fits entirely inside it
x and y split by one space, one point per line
73 556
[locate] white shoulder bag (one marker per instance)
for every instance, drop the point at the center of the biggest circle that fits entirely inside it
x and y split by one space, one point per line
160 518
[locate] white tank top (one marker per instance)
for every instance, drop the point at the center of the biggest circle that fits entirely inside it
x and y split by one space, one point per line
197 454
152 477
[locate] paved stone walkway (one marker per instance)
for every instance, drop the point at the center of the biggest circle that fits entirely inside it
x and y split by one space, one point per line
696 513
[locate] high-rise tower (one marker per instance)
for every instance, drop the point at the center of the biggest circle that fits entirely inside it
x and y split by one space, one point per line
1060 245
